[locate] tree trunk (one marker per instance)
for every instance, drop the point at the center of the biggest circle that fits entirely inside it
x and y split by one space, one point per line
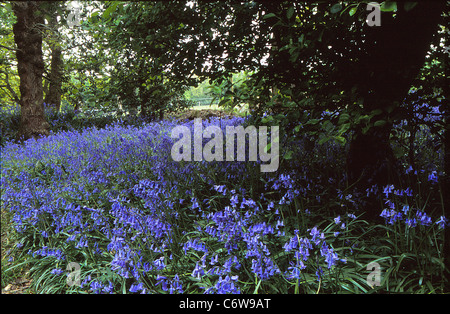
53 98
395 52
30 65
371 159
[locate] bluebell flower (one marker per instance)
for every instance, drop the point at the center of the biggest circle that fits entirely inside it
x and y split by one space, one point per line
136 287
408 191
96 286
159 263
319 273
57 271
317 236
234 200
405 209
432 177
227 285
295 272
337 220
411 222
423 218
388 189
198 271
221 189
442 222
409 169
330 256
214 260
176 285
391 216
162 280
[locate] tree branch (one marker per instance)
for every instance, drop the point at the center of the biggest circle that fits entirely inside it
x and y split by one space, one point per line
13 95
9 48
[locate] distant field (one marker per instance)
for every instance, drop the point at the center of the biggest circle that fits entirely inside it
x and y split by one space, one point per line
241 109
203 107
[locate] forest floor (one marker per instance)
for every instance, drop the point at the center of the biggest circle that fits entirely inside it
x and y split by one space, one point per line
21 282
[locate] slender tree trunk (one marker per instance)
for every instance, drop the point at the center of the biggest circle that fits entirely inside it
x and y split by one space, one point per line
53 97
30 64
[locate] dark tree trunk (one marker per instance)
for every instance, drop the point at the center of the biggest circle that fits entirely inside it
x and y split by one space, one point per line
30 64
395 52
371 159
53 97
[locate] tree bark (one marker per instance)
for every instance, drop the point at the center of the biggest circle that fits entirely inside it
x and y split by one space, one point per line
395 52
53 98
30 65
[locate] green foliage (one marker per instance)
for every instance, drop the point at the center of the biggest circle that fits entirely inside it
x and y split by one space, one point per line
9 81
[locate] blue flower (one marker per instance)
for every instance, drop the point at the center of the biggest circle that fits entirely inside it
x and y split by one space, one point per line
137 287
317 236
423 218
442 222
388 189
337 220
176 285
432 177
57 271
198 271
411 222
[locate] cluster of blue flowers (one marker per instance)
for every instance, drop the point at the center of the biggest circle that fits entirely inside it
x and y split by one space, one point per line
402 212
113 199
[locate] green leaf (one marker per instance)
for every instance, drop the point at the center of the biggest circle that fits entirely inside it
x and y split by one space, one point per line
336 8
343 118
344 128
409 5
8 7
376 112
313 121
290 12
327 126
95 13
320 36
109 10
352 11
380 123
288 155
324 139
388 6
267 119
340 140
269 15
